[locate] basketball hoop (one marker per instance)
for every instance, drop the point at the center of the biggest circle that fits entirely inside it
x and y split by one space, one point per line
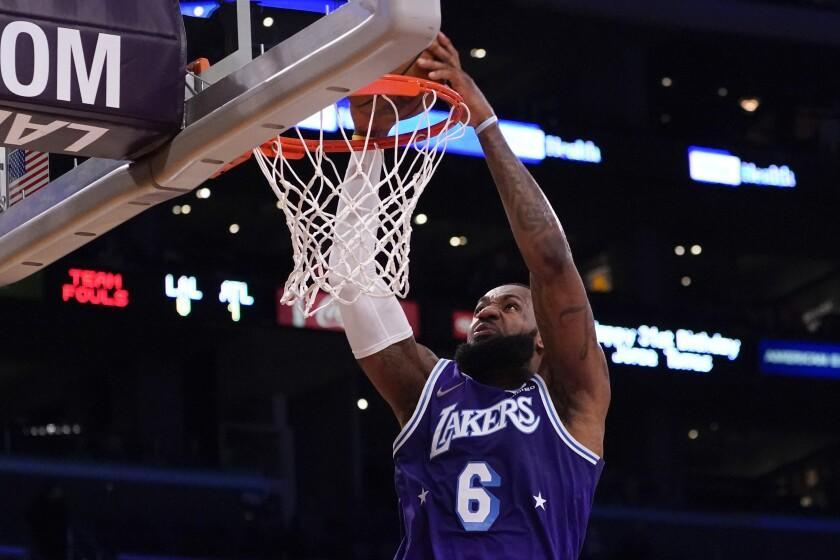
359 239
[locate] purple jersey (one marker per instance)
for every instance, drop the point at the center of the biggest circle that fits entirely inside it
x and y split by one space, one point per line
486 473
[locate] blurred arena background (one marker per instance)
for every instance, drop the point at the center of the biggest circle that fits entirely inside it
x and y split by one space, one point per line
692 151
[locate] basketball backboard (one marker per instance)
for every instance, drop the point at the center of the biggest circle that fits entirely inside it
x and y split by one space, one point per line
238 104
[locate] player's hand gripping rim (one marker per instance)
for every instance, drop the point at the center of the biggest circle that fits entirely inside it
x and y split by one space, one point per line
446 67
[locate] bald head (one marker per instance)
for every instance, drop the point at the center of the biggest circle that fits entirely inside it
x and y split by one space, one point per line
523 290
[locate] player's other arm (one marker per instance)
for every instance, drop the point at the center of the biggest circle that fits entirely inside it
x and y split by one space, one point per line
399 372
573 362
383 344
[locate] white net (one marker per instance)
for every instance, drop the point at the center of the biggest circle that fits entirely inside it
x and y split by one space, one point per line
351 232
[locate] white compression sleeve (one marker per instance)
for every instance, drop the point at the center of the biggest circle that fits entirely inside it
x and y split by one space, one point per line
370 323
374 323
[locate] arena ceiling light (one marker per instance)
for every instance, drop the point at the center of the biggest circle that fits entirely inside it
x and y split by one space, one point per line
750 104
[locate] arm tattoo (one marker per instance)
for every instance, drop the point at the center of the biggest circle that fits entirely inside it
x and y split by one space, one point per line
588 330
535 227
572 310
519 192
530 212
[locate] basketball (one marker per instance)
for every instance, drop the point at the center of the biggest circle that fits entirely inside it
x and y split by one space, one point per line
384 116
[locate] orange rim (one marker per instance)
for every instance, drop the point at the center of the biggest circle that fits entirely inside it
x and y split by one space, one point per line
392 85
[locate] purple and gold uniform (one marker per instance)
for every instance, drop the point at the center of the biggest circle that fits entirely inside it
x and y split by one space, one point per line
487 473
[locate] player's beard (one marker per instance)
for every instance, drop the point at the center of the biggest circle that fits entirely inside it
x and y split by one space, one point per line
498 358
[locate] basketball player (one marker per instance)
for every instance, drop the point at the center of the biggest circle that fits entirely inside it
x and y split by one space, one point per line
500 448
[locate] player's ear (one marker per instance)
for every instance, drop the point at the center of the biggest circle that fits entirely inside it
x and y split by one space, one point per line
538 342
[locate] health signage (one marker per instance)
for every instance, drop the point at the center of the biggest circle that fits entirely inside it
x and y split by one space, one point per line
710 165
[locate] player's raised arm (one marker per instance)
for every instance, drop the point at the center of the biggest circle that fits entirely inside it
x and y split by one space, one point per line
572 362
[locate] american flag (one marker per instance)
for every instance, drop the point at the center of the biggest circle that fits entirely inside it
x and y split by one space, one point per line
27 171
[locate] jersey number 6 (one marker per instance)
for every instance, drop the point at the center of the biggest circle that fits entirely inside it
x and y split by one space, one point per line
476 507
